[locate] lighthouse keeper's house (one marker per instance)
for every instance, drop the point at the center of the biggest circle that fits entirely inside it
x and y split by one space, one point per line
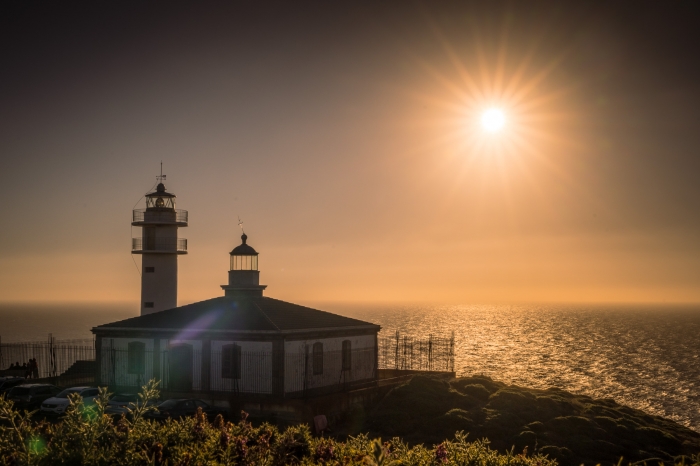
239 343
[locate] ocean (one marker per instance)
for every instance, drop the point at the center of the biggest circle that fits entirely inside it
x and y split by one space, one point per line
642 356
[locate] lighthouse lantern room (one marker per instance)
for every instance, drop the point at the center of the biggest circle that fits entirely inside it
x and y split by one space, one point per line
243 275
159 247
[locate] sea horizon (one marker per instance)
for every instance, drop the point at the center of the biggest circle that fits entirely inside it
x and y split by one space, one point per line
644 356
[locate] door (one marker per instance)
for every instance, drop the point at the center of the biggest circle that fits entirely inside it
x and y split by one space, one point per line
180 368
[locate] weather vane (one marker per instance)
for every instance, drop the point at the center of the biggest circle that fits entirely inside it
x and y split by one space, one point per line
161 177
240 224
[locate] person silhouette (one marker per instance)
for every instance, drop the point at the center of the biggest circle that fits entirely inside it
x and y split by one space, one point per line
35 369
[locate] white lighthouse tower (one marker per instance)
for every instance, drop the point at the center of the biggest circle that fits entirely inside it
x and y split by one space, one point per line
159 247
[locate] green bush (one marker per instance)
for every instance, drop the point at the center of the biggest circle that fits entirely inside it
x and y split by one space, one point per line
87 436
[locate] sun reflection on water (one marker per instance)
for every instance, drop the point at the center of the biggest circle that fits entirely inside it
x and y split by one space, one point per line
645 358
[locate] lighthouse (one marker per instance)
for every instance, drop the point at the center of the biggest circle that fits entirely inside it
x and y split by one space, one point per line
243 275
159 247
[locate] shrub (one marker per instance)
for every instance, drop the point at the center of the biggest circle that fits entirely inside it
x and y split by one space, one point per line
87 436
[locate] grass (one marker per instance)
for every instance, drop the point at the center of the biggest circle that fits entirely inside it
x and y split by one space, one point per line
573 429
429 421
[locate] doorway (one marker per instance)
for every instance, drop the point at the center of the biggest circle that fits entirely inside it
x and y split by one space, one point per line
180 362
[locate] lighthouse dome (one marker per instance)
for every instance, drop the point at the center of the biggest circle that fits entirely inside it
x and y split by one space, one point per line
244 249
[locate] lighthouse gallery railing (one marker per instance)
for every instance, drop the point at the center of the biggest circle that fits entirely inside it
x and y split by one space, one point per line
159 245
177 216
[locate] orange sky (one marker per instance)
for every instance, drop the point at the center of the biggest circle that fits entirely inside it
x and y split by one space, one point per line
346 143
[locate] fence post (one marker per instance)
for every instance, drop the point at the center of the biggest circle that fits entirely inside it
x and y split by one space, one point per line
279 369
430 352
52 358
112 363
396 356
420 355
205 361
306 366
376 357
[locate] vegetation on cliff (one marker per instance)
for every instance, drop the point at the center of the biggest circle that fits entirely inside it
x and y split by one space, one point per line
89 437
573 429
524 427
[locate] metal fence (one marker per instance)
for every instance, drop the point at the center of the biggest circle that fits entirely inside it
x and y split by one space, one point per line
303 374
54 358
182 369
251 374
423 354
159 245
170 216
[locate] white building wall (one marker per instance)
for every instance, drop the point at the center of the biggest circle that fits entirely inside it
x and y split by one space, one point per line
256 367
299 375
115 360
160 286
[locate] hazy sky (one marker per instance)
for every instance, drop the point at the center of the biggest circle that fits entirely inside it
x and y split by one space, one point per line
344 135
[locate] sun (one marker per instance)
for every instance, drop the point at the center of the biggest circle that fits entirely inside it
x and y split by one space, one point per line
494 103
493 120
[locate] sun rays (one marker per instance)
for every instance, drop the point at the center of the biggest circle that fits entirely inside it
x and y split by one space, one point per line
498 110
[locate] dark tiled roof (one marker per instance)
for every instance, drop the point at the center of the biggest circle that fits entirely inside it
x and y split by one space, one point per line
239 314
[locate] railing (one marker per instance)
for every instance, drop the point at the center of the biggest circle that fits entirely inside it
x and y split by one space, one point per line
302 375
52 358
411 353
155 216
182 371
140 245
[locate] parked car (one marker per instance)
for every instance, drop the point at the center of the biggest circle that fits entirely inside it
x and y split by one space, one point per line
59 403
6 383
121 403
183 408
30 396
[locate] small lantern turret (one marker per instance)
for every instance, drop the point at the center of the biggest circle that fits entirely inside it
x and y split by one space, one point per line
243 275
244 257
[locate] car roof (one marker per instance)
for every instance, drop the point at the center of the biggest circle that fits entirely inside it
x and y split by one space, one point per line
30 385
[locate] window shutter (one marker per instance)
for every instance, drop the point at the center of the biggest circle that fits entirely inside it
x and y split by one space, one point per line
226 360
231 361
318 358
236 366
347 355
136 355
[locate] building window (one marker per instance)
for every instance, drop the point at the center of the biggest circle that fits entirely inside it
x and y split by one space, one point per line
148 304
136 358
150 269
347 352
231 361
318 358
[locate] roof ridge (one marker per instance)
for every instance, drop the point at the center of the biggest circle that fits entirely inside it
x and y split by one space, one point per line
265 315
319 310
